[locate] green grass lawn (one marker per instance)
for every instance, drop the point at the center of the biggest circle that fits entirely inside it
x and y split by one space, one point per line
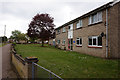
2 44
69 64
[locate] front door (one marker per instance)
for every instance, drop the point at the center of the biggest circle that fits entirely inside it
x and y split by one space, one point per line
70 44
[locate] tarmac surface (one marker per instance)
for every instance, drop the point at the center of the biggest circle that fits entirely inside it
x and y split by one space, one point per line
7 69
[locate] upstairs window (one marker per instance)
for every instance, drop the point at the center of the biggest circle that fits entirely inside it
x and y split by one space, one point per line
70 27
58 31
95 41
95 18
79 41
79 24
64 29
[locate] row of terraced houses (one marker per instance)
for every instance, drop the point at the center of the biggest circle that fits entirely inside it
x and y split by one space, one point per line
95 33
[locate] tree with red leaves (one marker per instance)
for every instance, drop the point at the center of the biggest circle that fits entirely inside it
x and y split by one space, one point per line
41 27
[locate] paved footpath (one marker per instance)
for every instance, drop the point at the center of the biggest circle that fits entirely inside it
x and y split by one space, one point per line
7 71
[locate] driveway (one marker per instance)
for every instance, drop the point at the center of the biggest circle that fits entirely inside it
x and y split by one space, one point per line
7 71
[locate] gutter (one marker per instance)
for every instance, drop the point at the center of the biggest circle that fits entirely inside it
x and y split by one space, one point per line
112 4
106 33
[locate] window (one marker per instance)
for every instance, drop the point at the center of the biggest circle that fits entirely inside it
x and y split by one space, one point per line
58 41
99 41
79 24
64 29
70 27
95 41
90 20
63 42
79 41
95 18
90 41
58 31
99 16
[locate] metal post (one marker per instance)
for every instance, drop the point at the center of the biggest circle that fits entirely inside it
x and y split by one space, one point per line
50 75
4 33
106 33
70 43
32 70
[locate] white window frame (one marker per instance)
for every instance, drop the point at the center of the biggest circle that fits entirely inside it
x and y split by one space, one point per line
58 31
79 24
90 20
71 27
95 18
94 37
63 42
99 14
58 41
64 30
79 42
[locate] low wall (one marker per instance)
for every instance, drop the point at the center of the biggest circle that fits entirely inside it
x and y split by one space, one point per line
23 68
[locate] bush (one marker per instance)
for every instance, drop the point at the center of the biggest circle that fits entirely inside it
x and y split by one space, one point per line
13 44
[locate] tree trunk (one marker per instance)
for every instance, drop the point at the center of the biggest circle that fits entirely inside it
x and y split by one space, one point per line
42 43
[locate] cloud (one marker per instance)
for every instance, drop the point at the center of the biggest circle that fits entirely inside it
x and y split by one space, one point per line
17 14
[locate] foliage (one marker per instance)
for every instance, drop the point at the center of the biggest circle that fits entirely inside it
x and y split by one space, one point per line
42 27
22 36
3 39
17 36
68 64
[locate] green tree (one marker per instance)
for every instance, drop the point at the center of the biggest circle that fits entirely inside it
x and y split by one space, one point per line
22 36
15 35
3 39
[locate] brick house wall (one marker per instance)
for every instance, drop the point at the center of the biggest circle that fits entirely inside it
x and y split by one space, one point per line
114 30
95 30
91 30
62 36
119 31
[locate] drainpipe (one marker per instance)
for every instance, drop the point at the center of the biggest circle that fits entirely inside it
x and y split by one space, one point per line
106 33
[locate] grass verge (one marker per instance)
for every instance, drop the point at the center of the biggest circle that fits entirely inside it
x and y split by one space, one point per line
69 64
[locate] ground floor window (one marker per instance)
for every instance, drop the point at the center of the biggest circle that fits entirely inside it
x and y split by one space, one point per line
63 42
79 41
58 41
95 41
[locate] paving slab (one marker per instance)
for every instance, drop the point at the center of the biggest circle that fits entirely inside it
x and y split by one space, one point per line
7 69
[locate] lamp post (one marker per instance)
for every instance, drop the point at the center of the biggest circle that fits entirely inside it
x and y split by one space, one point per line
4 33
70 42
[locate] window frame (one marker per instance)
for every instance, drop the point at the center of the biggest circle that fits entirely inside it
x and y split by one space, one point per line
80 40
58 41
71 27
63 42
95 18
64 29
79 24
94 37
58 31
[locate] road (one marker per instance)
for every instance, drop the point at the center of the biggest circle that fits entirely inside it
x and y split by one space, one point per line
7 71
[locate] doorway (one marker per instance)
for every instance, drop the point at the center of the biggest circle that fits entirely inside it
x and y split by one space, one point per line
70 44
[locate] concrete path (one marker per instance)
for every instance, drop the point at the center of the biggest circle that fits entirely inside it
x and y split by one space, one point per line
7 71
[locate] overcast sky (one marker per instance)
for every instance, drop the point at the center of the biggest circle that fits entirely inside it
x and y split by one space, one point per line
17 14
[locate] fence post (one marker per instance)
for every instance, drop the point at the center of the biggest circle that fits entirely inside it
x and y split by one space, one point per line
32 69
